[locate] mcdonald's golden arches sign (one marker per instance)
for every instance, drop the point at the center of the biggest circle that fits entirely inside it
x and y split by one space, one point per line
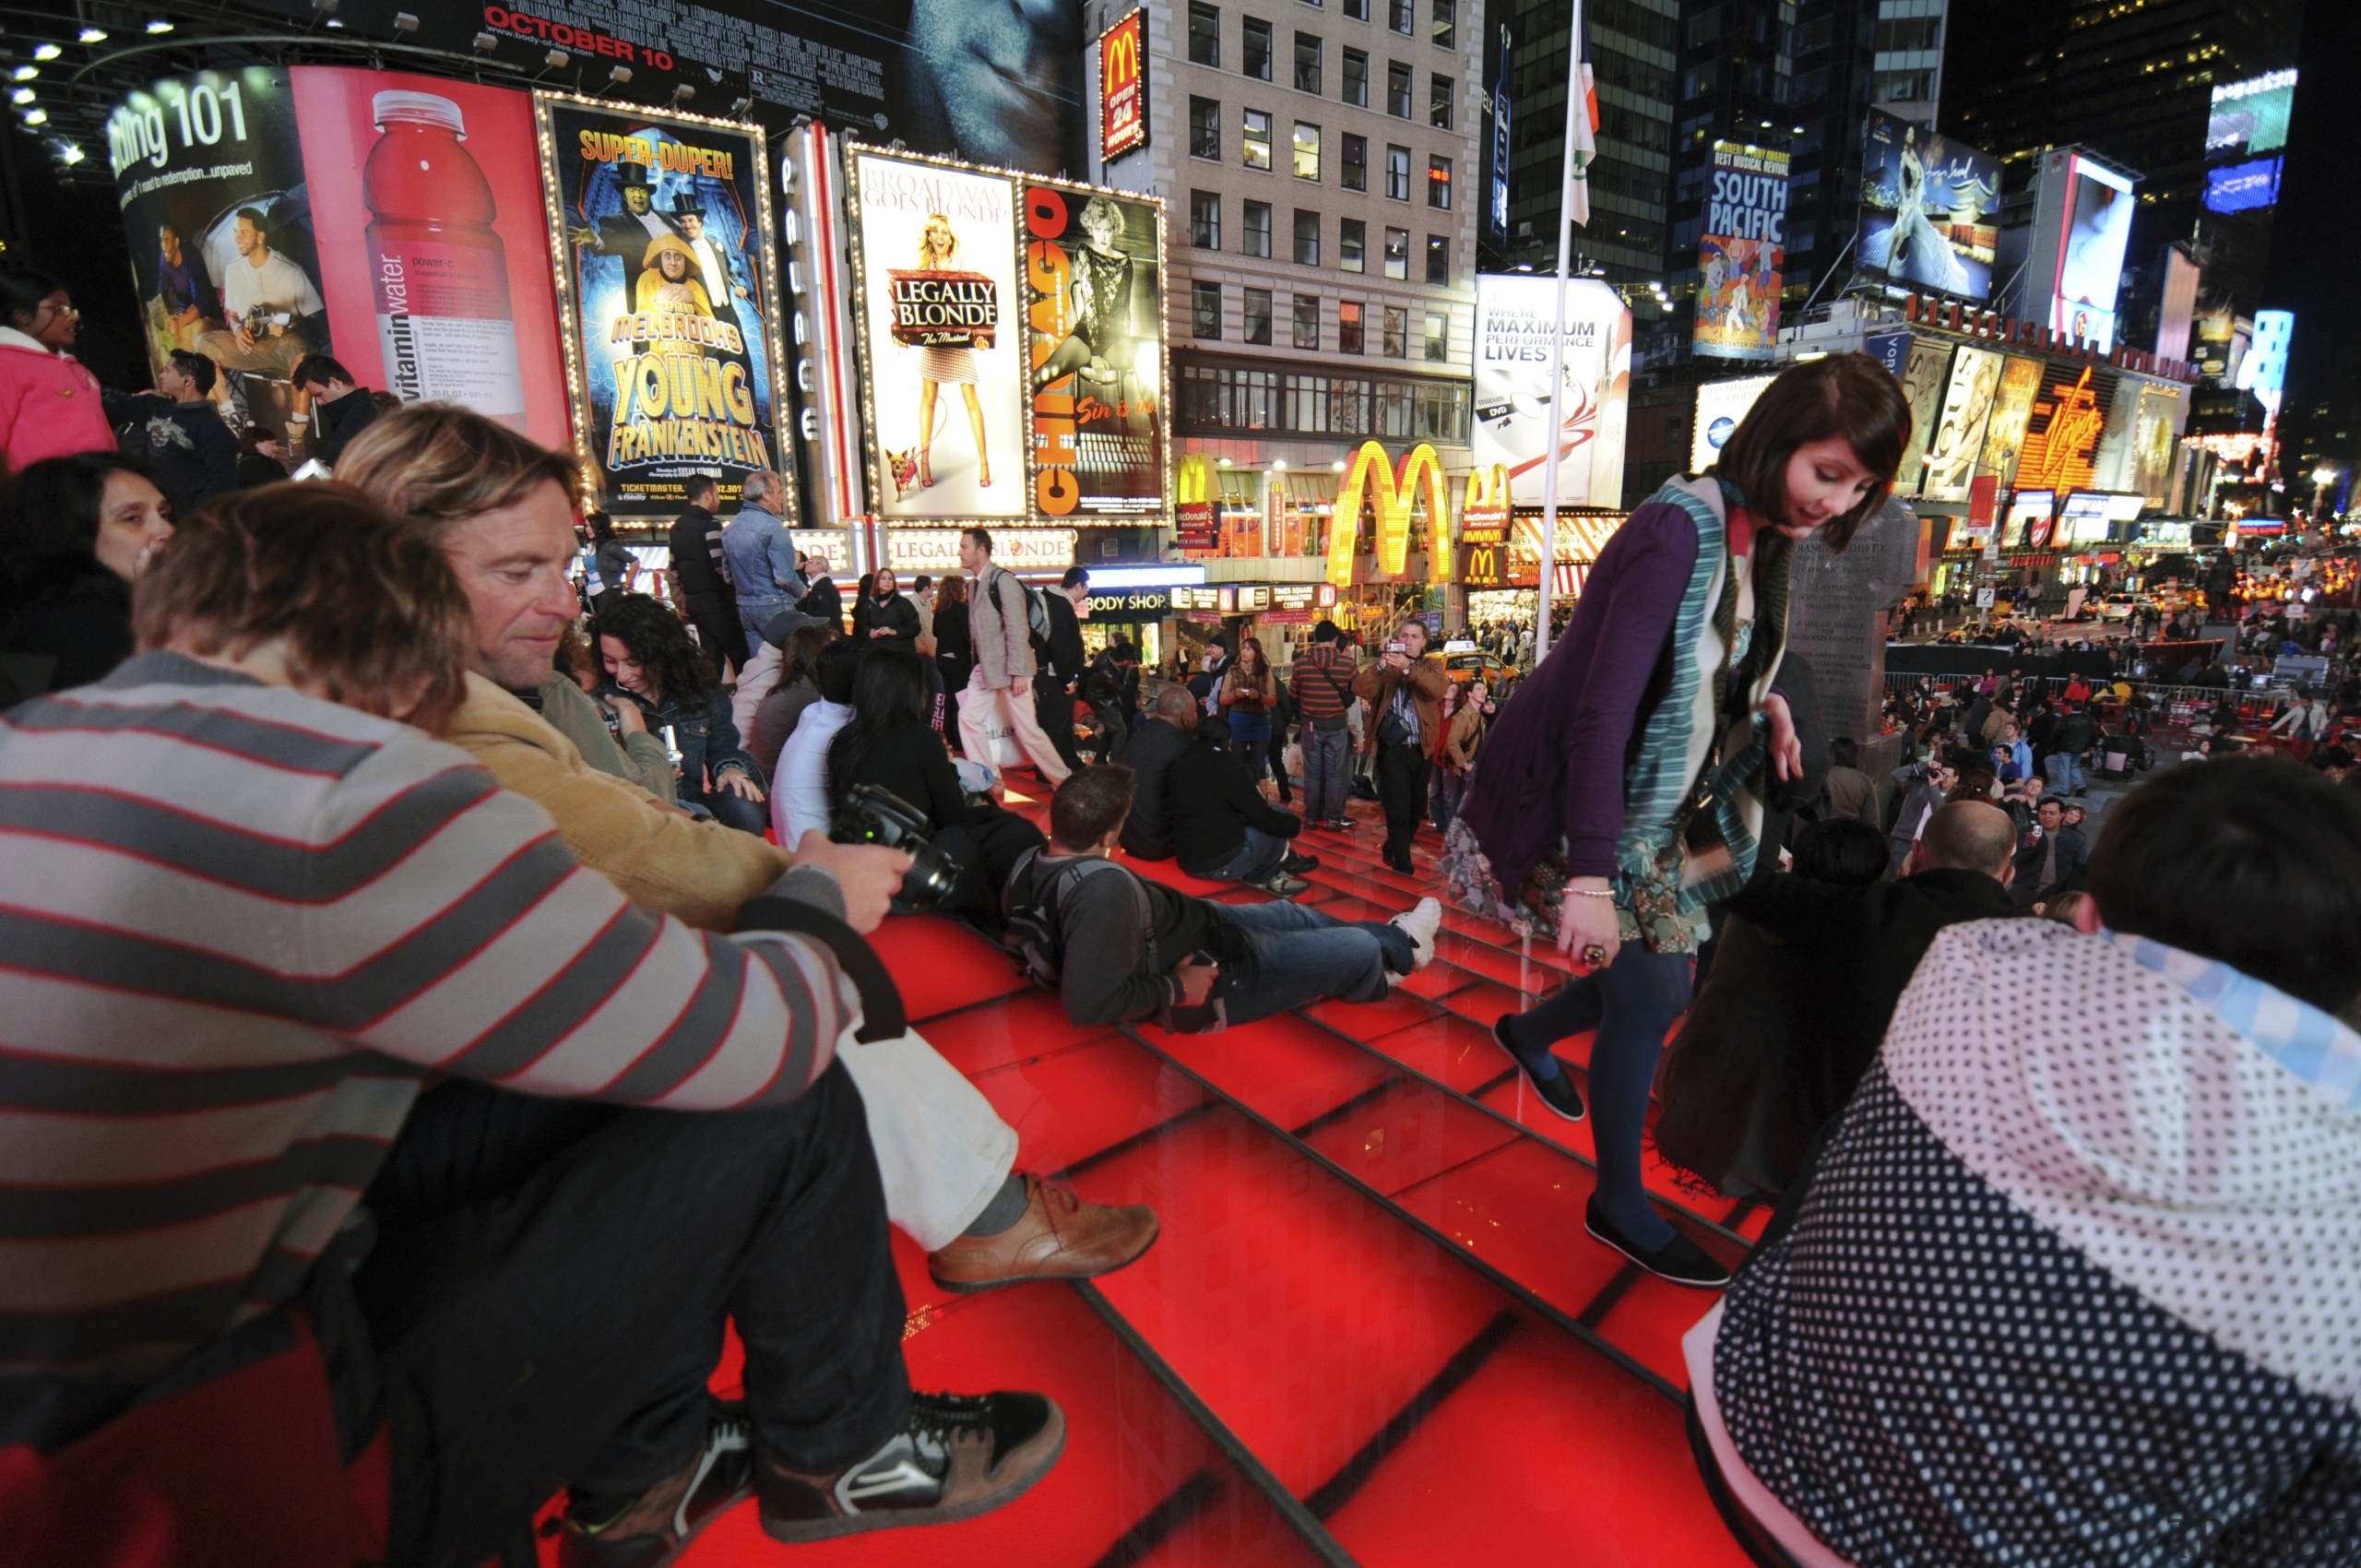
1123 86
1393 497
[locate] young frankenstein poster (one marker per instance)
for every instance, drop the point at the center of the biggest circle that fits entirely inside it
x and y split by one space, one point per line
661 220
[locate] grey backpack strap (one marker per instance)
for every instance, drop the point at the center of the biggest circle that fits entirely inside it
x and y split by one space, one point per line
1074 876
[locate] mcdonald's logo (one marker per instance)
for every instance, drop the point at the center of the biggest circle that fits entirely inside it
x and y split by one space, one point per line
1195 515
1484 514
1122 87
1392 496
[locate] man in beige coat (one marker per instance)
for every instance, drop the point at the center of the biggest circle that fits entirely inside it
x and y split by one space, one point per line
502 511
1001 686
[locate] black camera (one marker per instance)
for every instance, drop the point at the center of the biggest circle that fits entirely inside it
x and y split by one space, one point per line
871 815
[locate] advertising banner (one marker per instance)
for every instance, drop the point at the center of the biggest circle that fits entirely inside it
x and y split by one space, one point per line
2061 439
942 364
665 223
2004 437
1513 414
1925 374
1745 246
1122 87
1958 440
1720 405
392 221
1924 197
2244 141
1094 261
2083 261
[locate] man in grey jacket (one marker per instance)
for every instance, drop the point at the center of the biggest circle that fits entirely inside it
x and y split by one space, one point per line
1000 690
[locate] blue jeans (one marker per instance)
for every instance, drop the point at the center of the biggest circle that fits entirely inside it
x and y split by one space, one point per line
1296 955
1256 858
1327 772
755 614
2065 772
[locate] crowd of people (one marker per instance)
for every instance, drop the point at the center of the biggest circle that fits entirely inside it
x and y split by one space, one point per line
495 934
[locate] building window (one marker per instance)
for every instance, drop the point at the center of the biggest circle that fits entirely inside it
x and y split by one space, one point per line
1438 181
1205 35
1204 128
1307 151
1258 315
1356 10
1397 255
1348 327
1438 337
1204 309
1307 321
1307 63
1218 398
1204 220
1397 173
1438 259
1397 89
1445 30
1258 230
1402 16
1352 244
1440 101
1357 77
1254 50
1354 175
1396 338
1307 237
1258 139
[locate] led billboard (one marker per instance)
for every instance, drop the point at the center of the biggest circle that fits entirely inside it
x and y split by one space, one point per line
2061 439
2081 225
1743 251
1720 405
1513 417
1122 87
2250 117
2242 187
1923 201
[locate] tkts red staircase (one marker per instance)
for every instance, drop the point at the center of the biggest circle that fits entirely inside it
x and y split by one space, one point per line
1372 1329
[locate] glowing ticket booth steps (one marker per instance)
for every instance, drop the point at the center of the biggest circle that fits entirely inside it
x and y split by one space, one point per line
1392 495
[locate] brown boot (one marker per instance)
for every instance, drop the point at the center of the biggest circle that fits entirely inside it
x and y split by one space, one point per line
1060 1238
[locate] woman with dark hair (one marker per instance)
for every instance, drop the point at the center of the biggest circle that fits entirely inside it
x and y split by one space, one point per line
889 745
955 655
778 713
1623 791
650 658
1246 694
49 404
75 533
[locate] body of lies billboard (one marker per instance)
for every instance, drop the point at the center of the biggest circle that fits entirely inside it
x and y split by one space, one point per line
391 222
664 225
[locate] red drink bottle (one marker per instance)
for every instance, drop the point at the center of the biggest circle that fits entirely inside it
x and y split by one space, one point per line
440 272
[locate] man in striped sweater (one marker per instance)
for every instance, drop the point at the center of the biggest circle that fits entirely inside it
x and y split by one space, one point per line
248 909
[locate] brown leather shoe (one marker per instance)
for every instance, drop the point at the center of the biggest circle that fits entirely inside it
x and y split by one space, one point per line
1060 1238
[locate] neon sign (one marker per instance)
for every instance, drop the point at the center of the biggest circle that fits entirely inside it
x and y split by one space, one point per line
1393 497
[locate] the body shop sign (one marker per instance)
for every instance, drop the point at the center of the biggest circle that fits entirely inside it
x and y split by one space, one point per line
1122 87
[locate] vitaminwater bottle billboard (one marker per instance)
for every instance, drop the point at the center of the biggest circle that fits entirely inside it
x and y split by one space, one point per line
663 225
392 222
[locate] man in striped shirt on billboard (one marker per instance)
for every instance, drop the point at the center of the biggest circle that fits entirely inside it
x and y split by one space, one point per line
248 908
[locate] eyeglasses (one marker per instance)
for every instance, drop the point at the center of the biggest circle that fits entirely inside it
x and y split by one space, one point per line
60 309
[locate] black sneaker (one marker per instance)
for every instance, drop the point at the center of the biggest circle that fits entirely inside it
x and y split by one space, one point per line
1279 884
958 1456
640 1531
1296 865
1559 1093
1680 1260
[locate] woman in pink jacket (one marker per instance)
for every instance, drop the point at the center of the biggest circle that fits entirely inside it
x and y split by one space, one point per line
49 404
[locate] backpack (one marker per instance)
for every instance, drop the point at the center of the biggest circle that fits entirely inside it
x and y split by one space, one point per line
1037 616
1033 907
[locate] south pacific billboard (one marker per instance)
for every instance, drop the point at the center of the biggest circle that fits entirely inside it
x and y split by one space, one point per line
1740 261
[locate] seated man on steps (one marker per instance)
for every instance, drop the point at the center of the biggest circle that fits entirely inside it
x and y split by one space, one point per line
498 507
1222 828
291 908
1132 950
1169 729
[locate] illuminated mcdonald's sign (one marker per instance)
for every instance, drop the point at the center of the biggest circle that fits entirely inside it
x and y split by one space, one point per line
1122 87
1484 516
1392 495
1196 517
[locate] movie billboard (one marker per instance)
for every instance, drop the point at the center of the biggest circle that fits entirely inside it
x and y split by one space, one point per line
939 315
1721 405
1514 332
665 223
1095 327
1744 249
1925 197
1967 411
392 221
2004 436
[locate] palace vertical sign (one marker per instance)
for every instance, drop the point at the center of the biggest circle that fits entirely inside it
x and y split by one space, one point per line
1122 87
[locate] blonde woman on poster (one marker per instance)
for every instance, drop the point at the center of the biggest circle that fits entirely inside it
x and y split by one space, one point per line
939 252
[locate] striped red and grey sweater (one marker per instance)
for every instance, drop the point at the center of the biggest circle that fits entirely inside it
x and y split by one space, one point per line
238 927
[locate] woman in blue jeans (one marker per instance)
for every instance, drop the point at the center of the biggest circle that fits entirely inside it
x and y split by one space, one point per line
649 659
1622 792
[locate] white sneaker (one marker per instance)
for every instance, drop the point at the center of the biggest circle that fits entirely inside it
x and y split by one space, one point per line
1421 923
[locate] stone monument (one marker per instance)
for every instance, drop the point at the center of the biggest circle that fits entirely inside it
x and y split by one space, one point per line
1836 633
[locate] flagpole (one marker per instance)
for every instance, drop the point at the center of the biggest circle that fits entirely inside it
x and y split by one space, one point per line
1576 106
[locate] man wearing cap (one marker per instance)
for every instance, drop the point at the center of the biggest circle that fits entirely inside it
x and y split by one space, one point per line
625 236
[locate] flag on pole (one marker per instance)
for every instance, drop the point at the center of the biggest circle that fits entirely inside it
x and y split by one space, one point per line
1582 120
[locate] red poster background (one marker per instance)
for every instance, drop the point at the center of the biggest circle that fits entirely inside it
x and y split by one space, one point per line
332 118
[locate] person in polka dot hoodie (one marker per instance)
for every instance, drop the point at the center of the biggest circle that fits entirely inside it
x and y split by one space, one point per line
2074 1278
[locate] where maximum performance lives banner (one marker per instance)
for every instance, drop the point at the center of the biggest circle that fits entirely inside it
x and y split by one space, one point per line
663 224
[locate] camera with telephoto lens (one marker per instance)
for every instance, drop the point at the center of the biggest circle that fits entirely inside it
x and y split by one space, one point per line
871 815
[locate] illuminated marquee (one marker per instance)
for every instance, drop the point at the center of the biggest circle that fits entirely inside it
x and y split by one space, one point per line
1122 87
2067 419
1391 496
1195 514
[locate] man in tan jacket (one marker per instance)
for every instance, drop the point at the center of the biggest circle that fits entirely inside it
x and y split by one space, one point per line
1001 684
1404 690
503 513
